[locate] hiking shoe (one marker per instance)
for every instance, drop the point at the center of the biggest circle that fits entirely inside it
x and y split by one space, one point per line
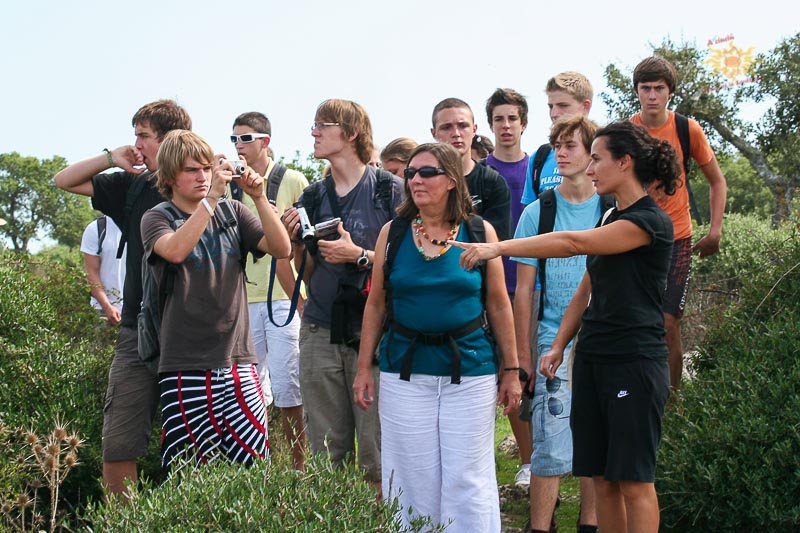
523 477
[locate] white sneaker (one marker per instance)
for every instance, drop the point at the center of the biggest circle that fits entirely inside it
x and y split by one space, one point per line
523 477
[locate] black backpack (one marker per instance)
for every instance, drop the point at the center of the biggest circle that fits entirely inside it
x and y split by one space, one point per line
155 292
353 288
547 221
682 127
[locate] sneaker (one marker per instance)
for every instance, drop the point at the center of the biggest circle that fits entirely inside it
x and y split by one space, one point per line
523 477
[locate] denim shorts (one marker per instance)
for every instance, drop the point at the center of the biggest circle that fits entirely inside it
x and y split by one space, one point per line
552 438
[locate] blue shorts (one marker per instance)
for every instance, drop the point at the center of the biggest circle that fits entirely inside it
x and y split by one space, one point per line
552 437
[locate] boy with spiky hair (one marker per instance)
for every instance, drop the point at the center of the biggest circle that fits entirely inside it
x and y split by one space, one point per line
568 93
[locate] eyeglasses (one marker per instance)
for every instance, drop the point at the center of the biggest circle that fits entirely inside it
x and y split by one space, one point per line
247 137
322 125
424 172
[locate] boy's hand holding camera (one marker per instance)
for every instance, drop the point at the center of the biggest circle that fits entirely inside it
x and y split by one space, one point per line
342 250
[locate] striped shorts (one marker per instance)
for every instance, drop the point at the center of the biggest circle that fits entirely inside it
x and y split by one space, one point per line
208 414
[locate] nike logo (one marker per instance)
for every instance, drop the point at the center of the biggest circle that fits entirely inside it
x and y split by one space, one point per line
622 394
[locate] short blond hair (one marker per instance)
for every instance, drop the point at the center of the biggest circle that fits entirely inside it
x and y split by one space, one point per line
176 147
573 83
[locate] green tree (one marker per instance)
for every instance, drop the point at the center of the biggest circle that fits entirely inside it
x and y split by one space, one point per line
311 167
33 206
701 94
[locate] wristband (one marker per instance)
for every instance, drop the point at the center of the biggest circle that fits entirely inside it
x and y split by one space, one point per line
108 157
208 207
511 369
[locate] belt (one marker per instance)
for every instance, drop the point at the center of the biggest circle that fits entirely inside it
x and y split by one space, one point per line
432 339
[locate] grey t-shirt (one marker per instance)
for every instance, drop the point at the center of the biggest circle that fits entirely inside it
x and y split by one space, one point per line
364 222
205 323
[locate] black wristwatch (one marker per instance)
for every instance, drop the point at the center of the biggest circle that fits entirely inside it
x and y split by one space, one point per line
363 259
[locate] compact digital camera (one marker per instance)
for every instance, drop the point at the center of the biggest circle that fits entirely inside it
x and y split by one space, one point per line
237 164
309 232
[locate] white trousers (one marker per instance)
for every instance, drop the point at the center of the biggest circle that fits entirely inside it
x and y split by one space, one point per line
437 449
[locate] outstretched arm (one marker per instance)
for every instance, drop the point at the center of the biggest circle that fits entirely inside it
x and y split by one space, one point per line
615 238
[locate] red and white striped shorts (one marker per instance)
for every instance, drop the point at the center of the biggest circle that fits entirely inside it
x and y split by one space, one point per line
208 414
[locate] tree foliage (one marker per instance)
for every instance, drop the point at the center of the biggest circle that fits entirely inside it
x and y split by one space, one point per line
311 167
33 206
771 146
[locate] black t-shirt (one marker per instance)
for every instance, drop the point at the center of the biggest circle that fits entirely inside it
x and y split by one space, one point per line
110 195
491 198
624 320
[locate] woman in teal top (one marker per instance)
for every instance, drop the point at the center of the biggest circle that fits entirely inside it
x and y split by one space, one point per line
437 405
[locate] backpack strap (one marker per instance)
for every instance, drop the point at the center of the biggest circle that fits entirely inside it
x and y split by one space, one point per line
101 232
538 164
135 189
547 221
274 181
682 127
175 219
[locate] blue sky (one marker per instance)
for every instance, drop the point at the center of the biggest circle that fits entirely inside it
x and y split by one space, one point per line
75 72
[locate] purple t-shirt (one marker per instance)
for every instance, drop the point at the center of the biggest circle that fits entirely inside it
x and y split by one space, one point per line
514 174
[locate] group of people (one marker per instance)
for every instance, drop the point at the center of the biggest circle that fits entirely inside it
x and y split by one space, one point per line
433 286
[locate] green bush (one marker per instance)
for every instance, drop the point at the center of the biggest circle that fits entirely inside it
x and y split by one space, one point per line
728 460
54 360
749 247
269 496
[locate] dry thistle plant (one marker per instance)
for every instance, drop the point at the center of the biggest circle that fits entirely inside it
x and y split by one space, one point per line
53 456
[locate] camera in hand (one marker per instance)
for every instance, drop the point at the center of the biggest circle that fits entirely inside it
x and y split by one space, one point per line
238 166
311 233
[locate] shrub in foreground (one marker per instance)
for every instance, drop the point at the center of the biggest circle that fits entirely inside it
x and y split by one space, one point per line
266 497
54 360
728 460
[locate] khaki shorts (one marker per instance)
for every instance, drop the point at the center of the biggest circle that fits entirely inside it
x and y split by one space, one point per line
131 403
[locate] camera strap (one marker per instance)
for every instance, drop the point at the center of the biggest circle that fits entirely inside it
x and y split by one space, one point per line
295 292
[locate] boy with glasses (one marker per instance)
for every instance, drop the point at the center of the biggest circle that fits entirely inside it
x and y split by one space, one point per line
277 348
364 198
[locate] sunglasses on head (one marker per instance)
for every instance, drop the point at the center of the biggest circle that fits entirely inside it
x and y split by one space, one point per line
247 137
424 172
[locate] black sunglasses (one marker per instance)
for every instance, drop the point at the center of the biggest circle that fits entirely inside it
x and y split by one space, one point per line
424 172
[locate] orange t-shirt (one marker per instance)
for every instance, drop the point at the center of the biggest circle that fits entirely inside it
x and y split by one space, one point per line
677 205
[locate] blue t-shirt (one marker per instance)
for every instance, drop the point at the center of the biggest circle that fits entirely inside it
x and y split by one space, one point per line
514 174
563 274
435 297
549 178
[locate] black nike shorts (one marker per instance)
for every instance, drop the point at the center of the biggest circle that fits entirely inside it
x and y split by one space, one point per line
616 418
